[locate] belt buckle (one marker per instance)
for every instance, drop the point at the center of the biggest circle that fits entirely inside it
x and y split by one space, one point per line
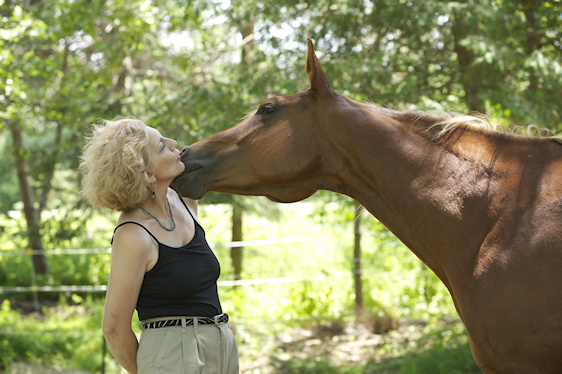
221 318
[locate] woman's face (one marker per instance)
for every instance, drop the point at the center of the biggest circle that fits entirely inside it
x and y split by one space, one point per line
164 155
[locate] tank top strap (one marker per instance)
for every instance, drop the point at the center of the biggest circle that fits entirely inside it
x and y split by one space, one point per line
191 214
138 224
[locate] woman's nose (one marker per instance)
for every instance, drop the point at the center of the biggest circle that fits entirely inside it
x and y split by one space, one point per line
172 143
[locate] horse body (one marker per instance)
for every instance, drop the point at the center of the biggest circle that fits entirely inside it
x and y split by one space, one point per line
482 209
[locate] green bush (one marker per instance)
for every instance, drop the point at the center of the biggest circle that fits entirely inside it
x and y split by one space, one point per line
67 336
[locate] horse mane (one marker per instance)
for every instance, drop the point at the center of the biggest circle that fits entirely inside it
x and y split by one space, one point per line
482 124
444 122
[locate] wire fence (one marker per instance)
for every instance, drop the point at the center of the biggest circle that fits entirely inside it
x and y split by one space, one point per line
35 289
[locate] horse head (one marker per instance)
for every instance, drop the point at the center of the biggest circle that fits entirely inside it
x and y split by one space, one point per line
276 151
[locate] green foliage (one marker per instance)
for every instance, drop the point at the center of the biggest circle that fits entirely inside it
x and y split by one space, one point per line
314 285
66 336
69 269
395 281
319 269
185 67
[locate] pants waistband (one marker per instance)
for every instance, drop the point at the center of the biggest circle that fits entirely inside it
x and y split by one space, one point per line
155 323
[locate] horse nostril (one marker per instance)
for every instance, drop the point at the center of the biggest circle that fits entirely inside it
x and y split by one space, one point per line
183 151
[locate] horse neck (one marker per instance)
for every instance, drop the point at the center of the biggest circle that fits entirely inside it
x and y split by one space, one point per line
427 192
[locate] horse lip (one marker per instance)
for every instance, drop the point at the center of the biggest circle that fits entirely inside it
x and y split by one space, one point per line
191 168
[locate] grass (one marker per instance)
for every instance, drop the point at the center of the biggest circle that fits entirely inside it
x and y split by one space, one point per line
68 336
434 360
433 357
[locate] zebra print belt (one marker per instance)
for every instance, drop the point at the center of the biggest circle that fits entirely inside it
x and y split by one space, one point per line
189 321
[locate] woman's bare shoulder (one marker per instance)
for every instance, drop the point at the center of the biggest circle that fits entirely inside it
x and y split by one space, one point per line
132 236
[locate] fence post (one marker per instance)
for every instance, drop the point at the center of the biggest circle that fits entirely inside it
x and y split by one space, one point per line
103 350
33 282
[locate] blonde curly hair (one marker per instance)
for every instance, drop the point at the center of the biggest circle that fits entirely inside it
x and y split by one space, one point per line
115 163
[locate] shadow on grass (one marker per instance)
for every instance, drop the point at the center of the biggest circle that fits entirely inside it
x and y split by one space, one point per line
434 360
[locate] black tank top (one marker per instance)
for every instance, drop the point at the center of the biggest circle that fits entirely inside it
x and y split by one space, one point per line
184 280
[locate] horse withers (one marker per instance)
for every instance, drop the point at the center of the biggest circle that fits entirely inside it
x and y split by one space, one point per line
482 208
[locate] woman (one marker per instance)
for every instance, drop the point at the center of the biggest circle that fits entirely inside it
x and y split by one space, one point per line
161 263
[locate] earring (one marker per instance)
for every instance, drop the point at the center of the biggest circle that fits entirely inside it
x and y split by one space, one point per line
153 192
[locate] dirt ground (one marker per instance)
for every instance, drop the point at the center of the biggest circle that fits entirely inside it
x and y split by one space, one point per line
336 344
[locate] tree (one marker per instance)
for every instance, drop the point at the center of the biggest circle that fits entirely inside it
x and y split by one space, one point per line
64 64
501 58
20 60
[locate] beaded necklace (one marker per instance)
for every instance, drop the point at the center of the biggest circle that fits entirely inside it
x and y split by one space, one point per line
157 220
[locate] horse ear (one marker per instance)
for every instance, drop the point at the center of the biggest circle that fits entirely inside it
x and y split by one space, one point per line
318 81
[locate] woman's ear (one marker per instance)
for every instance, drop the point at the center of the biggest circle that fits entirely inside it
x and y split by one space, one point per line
150 176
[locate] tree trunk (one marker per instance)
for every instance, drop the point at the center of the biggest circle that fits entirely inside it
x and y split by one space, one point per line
236 252
470 75
247 32
52 157
32 215
533 38
357 258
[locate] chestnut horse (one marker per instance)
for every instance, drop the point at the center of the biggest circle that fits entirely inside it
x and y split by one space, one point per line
482 208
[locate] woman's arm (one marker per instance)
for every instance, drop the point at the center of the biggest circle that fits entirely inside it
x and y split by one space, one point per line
130 255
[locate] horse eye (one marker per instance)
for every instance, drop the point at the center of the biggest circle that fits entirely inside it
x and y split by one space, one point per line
267 109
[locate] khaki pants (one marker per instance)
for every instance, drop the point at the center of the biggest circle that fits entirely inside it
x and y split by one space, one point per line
201 349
